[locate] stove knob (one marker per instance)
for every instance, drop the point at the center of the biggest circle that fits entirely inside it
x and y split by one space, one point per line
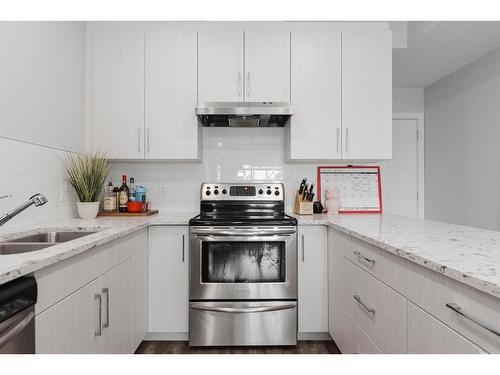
224 191
208 192
261 191
277 192
216 192
268 192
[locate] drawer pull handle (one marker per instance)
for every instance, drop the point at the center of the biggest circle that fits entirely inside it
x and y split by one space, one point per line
106 291
459 311
362 257
98 332
371 310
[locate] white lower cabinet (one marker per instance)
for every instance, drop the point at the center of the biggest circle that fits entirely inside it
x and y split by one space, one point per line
168 282
101 315
312 279
427 335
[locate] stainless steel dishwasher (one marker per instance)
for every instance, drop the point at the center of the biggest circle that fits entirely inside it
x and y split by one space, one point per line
17 316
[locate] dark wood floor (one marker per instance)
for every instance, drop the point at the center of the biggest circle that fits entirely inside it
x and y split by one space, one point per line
182 347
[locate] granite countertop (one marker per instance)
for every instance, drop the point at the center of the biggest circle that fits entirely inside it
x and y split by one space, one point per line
468 255
108 229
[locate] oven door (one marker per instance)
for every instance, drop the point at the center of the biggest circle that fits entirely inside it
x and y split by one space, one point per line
241 263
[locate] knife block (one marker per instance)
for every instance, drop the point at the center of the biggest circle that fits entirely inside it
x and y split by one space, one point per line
300 207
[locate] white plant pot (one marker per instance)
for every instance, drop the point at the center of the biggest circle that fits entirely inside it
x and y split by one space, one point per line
87 210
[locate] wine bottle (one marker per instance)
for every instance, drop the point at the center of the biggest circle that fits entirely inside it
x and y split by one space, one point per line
123 197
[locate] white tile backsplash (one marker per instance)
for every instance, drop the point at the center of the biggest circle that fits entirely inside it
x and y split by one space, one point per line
229 155
26 169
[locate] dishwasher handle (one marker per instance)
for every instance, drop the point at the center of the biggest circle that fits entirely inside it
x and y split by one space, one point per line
15 328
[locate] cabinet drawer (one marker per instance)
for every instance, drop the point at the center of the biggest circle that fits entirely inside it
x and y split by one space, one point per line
427 335
377 309
386 267
433 291
362 343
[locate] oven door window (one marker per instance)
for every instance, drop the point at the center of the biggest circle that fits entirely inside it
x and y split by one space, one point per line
243 262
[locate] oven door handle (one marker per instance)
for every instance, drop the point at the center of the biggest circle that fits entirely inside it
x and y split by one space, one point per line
255 309
260 233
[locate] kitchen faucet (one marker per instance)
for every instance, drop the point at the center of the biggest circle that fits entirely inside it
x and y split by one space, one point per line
36 200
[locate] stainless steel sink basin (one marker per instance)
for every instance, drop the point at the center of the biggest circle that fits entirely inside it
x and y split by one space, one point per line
39 241
52 237
19 248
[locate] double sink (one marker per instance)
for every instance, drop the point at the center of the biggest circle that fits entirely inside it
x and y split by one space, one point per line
40 241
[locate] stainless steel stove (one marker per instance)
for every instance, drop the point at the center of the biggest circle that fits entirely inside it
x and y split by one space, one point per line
243 267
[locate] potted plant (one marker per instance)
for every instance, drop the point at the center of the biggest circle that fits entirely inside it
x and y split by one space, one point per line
87 174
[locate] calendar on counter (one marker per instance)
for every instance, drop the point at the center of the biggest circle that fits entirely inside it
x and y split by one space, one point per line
359 187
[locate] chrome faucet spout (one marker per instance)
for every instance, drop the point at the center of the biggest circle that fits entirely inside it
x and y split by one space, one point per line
36 200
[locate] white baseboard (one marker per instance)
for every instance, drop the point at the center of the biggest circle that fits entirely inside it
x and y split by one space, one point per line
167 336
314 336
184 336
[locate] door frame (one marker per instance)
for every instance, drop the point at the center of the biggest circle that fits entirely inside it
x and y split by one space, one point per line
419 117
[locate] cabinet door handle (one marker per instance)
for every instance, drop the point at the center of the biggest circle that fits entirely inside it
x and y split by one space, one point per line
248 84
338 140
362 257
303 249
106 291
98 331
139 139
346 140
459 311
183 246
239 85
371 310
148 139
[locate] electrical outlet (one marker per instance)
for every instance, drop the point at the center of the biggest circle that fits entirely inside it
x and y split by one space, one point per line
65 192
163 190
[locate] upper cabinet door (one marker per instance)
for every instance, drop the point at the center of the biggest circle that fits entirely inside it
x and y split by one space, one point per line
267 65
117 86
172 131
367 94
314 132
220 65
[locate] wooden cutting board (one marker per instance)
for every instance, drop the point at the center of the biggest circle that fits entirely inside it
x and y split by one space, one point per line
127 214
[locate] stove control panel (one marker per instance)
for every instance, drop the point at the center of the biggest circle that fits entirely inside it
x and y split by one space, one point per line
242 191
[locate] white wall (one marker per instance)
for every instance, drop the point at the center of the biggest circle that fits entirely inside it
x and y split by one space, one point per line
407 100
462 145
42 111
229 155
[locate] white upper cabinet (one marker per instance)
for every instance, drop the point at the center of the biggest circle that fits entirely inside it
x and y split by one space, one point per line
367 94
314 132
238 65
220 65
267 65
171 130
117 91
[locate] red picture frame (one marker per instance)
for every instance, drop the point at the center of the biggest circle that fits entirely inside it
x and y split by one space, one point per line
376 167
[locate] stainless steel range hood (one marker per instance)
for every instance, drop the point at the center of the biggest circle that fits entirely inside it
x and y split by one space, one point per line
244 114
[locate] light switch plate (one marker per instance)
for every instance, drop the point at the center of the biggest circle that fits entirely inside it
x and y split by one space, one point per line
163 190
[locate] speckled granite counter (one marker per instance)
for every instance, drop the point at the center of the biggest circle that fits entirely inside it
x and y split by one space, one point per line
469 255
108 229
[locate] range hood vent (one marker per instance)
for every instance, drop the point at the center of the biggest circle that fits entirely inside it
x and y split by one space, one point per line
244 114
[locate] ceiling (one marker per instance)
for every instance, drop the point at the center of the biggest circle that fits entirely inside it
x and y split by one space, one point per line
437 49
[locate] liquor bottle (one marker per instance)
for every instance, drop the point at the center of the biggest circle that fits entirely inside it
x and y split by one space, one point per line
109 202
123 197
131 196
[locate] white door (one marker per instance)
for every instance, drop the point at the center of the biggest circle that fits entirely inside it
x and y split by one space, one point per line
140 286
117 309
314 132
172 131
220 65
366 94
117 103
400 175
267 65
168 279
313 279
